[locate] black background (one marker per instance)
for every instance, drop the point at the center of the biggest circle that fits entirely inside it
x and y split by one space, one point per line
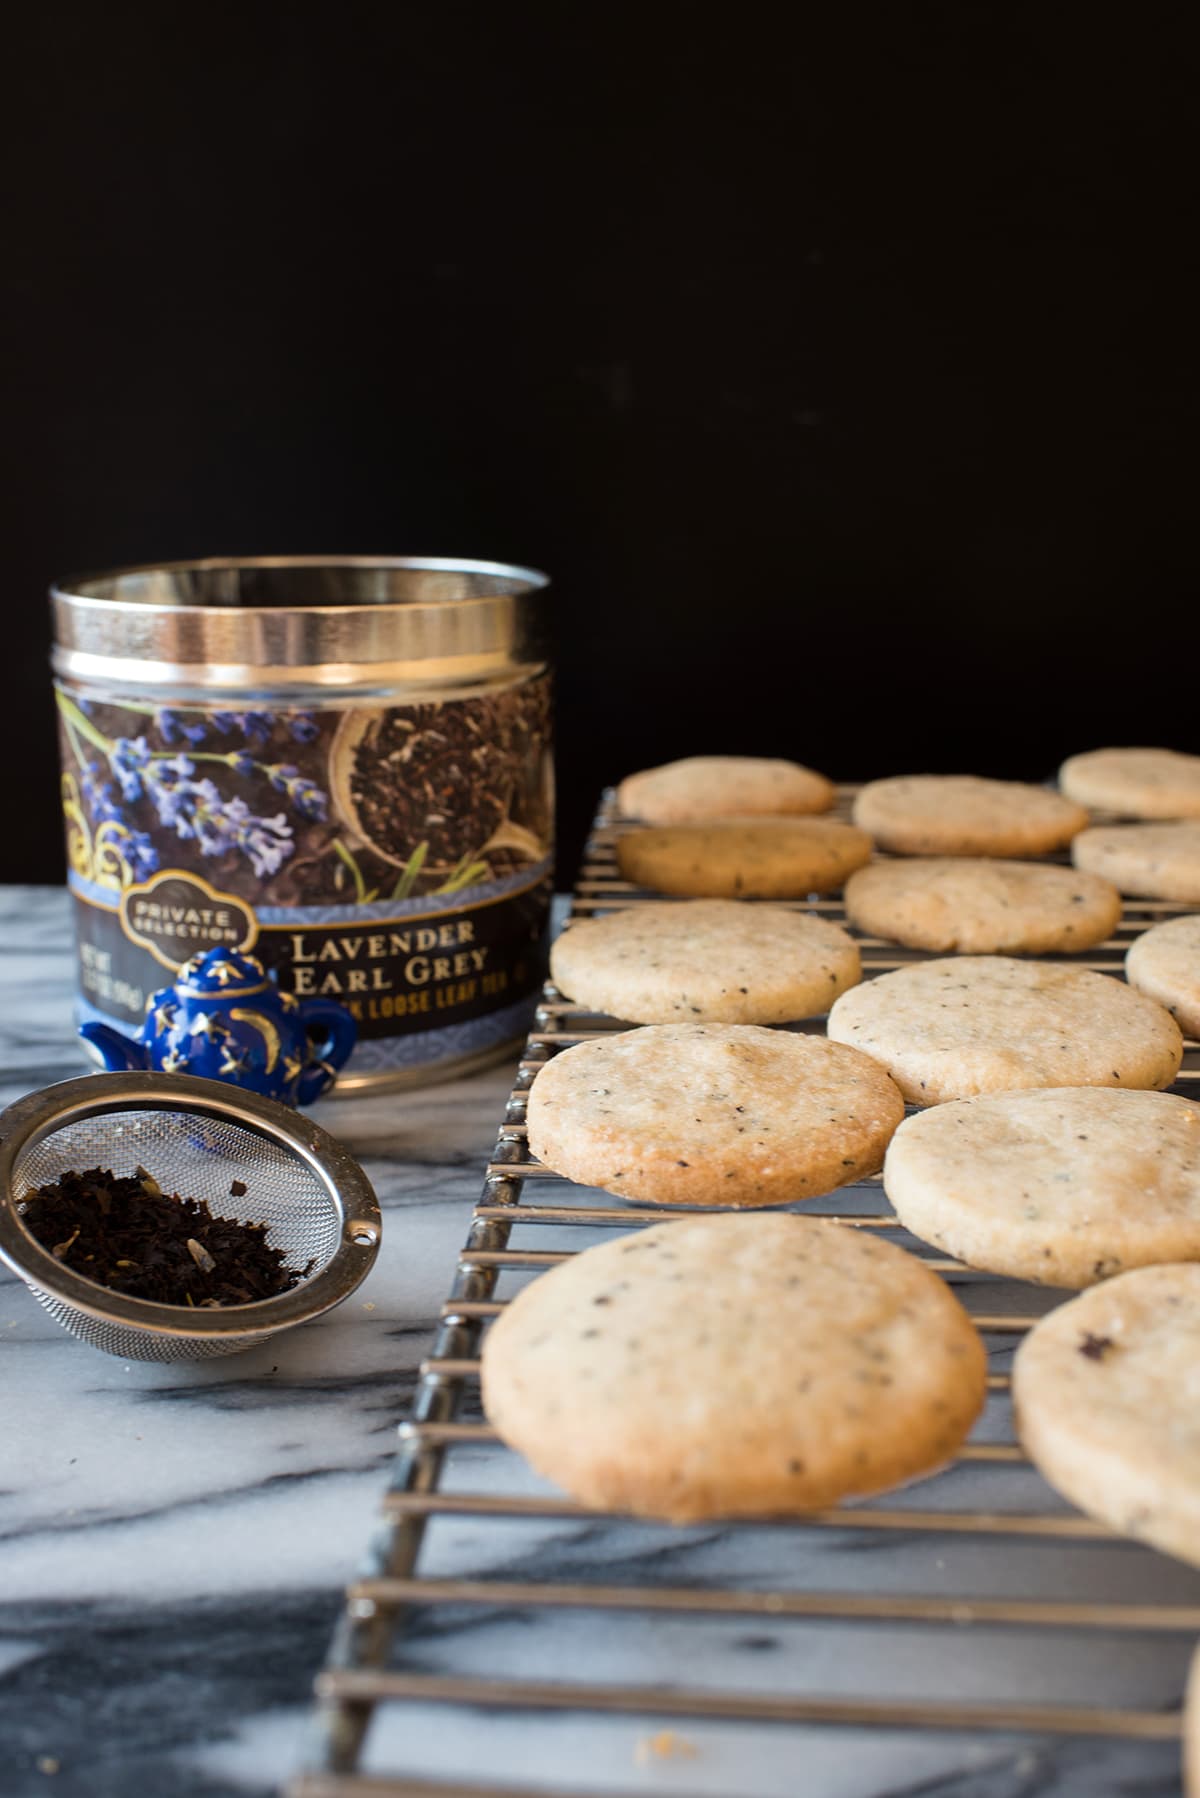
844 378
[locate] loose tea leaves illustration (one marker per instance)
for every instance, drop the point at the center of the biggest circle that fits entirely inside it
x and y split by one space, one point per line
449 775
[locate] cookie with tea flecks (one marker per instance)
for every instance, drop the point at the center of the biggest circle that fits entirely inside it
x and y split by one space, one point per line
1105 1404
744 858
715 786
709 959
712 1114
643 1375
965 814
955 1027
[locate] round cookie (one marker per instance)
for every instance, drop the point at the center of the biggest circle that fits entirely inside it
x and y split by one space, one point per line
1104 1395
950 1029
1153 861
1064 1186
1165 963
734 1367
963 814
712 1114
763 858
1136 783
982 906
707 958
723 786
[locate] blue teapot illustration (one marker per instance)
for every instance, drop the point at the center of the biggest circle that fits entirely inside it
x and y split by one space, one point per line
225 1019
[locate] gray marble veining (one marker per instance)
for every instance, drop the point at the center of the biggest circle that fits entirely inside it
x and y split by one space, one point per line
173 1542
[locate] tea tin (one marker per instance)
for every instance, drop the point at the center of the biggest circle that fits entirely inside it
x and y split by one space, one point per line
341 763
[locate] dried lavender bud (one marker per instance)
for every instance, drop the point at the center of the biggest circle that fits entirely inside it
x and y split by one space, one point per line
200 1256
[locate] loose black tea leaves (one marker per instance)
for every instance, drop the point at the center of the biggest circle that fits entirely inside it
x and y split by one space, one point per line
127 1234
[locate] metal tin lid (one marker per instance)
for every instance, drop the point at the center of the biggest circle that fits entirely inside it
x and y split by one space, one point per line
369 622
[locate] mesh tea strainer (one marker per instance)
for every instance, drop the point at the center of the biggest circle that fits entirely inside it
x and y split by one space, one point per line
196 1137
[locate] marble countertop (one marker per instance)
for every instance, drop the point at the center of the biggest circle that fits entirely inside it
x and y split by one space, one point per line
174 1541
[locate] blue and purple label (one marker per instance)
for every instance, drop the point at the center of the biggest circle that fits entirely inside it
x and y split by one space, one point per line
397 859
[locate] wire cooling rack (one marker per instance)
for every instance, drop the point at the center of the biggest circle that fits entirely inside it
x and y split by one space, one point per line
994 1553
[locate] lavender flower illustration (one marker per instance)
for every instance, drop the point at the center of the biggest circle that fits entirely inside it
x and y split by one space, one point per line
256 727
104 842
304 794
173 727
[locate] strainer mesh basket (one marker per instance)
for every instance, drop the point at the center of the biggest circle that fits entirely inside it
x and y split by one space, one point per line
199 1156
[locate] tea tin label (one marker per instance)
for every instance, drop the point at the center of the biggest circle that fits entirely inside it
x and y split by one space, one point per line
394 857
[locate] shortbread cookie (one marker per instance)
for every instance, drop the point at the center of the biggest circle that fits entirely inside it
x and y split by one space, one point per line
1165 963
723 786
1065 1186
763 858
949 1029
982 906
1135 783
712 1114
1104 1393
734 1367
708 958
1154 861
962 814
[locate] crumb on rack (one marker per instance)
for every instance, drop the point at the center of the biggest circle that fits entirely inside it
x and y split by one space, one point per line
666 1745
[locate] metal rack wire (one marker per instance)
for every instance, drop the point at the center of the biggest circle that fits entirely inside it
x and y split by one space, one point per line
366 1672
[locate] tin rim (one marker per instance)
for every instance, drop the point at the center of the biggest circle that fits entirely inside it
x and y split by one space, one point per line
72 588
230 621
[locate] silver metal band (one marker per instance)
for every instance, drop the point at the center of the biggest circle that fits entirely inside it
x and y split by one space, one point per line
269 622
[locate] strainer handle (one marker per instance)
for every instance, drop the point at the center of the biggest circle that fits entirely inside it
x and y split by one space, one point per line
329 1053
